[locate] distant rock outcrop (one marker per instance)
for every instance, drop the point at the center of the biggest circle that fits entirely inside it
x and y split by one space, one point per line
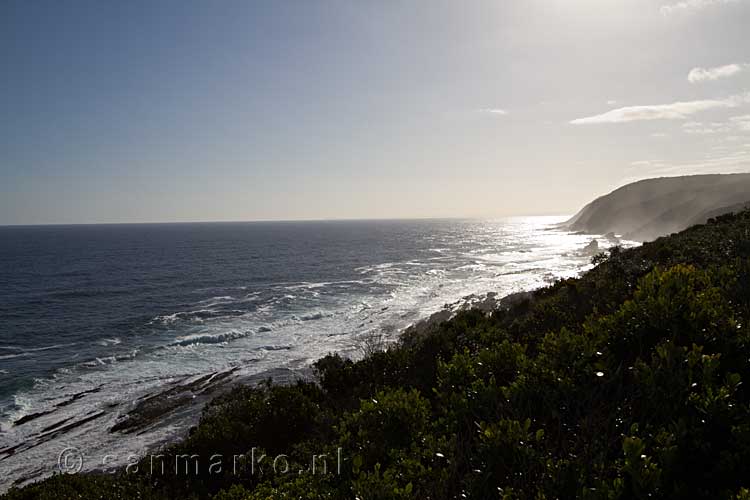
647 209
592 248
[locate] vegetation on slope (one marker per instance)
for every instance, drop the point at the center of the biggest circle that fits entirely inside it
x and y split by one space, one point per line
629 382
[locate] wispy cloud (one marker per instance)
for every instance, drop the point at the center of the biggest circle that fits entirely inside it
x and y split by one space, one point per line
673 111
735 124
646 163
741 122
493 111
692 5
700 128
734 161
698 75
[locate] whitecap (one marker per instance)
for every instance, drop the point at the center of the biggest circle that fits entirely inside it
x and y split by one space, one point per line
209 338
26 351
315 316
221 298
111 341
216 301
195 316
12 356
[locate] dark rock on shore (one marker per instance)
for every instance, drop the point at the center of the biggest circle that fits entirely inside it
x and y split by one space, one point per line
190 396
487 304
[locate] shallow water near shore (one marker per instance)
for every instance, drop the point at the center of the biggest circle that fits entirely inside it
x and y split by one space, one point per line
95 320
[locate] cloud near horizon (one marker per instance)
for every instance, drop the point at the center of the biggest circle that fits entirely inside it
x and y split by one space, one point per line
700 128
673 111
493 111
692 5
729 163
741 122
733 125
698 75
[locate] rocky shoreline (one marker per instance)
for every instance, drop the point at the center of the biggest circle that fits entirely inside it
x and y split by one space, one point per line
165 414
181 402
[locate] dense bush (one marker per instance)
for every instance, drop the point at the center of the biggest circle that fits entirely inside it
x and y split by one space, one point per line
625 383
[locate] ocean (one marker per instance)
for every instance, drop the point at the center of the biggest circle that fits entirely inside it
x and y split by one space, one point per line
93 318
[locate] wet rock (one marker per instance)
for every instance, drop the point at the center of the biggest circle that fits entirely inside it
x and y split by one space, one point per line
592 248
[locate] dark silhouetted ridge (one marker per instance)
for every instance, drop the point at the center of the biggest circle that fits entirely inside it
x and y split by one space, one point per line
650 208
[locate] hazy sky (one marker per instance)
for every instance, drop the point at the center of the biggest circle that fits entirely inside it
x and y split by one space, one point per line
173 110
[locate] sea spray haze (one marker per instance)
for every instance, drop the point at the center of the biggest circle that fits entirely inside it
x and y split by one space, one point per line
94 317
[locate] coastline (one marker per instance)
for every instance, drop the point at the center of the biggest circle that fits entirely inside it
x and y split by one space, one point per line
179 405
502 361
162 412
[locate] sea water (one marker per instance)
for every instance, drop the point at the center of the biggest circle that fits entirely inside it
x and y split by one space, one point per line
94 317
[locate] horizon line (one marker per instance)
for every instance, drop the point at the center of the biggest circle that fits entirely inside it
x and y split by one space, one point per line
241 221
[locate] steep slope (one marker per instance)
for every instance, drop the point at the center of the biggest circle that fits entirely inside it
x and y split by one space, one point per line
647 209
710 214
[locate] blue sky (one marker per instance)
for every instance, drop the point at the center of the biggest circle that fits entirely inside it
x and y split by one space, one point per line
177 111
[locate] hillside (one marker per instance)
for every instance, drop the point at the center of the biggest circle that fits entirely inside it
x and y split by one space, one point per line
650 208
628 382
